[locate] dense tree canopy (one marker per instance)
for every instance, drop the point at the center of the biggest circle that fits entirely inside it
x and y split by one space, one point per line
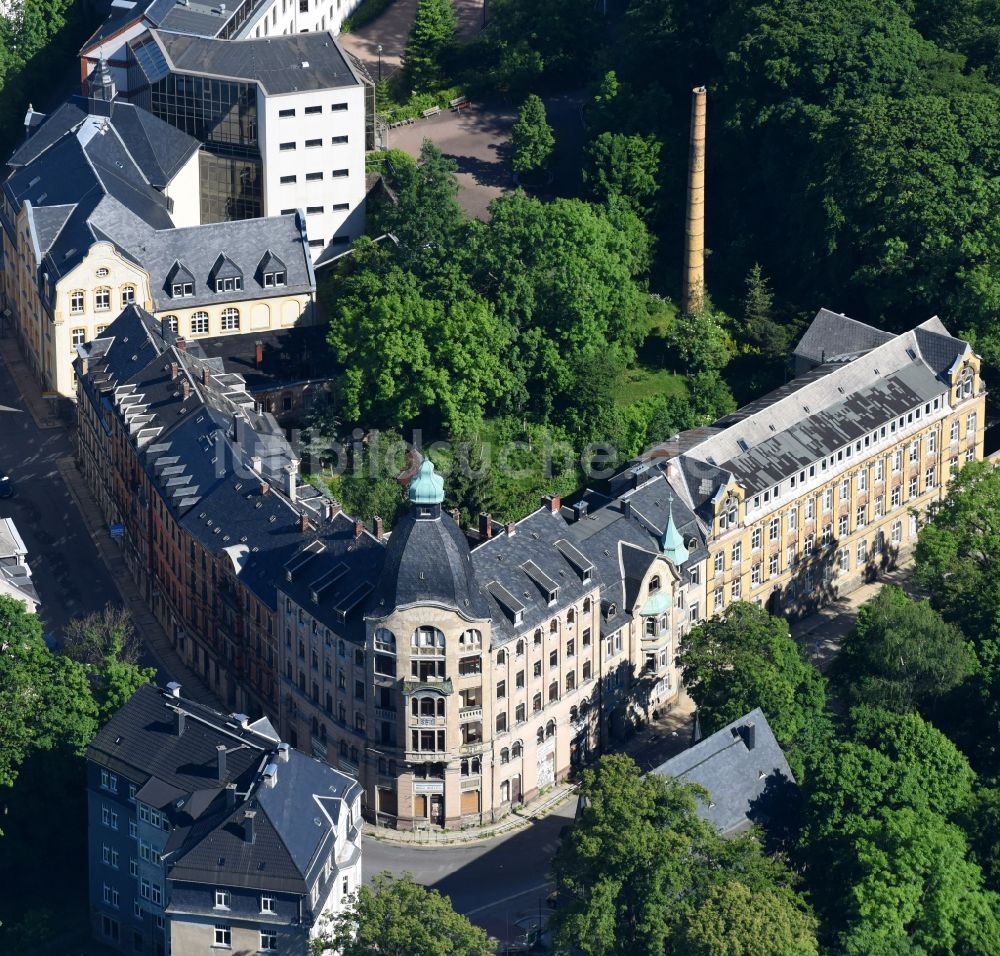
901 655
531 137
432 31
641 863
45 698
747 659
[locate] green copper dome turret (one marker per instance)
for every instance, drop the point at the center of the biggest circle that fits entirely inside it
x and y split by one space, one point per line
426 488
671 542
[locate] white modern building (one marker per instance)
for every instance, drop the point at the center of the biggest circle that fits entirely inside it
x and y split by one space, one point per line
283 123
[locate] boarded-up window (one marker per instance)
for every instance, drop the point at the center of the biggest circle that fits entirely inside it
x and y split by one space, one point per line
470 802
386 800
420 805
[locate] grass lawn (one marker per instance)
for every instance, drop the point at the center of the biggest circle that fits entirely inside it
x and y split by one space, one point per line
643 382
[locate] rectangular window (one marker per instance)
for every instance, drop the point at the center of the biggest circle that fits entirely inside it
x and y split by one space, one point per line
340 207
880 470
807 547
102 300
897 531
285 180
285 113
827 533
314 210
222 899
755 575
862 516
720 562
737 552
79 337
286 147
339 173
862 552
844 559
338 140
313 143
737 590
954 430
313 177
863 480
772 566
223 935
827 499
810 509
719 598
774 530
268 940
914 450
199 324
929 477
338 107
755 539
313 110
912 487
895 497
932 442
76 307
970 424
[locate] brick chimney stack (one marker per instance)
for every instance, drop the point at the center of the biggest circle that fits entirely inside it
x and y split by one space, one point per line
174 369
185 390
377 521
359 528
258 353
694 250
485 525
181 344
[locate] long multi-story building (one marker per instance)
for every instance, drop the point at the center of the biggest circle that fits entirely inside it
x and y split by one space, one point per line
205 832
99 210
455 681
819 484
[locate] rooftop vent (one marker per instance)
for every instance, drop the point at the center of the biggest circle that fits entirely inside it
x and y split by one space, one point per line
305 64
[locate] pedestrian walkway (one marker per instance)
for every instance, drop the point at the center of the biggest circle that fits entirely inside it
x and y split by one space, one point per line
169 666
43 411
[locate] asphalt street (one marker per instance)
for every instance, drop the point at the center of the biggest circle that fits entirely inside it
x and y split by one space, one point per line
68 574
493 883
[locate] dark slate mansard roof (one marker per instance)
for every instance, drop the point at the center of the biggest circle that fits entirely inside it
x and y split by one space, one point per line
295 820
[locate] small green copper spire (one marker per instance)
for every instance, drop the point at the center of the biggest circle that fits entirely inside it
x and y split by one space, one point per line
671 542
426 488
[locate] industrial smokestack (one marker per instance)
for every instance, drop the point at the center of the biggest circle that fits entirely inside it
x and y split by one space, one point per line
694 250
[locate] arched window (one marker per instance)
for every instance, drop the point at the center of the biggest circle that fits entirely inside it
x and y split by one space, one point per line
470 638
574 713
570 616
199 323
554 691
538 636
571 681
385 641
586 605
230 320
341 649
315 727
128 295
553 626
654 584
428 640
550 729
102 273
102 299
172 323
520 648
516 749
504 756
501 658
541 735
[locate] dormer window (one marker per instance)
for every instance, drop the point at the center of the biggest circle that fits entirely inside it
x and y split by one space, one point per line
180 290
654 584
272 279
229 284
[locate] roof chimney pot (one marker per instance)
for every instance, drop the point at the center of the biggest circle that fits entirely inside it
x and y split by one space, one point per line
303 523
174 369
185 390
174 689
377 521
181 344
485 525
248 827
220 756
359 528
283 752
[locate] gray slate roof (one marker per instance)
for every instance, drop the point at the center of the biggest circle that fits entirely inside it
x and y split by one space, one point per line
745 784
80 168
832 336
197 248
279 64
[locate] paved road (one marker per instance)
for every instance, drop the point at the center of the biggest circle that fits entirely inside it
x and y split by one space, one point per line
68 574
492 883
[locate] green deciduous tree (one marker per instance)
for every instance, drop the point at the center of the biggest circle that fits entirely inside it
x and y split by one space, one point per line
641 861
626 167
398 917
89 639
747 659
45 698
901 655
734 921
430 36
532 137
958 553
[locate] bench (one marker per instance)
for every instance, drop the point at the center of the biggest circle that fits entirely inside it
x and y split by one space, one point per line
433 111
459 103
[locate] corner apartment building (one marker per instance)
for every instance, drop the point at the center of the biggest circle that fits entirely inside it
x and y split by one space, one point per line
99 211
473 680
282 125
813 488
206 832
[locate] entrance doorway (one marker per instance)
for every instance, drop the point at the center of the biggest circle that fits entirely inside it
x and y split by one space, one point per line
437 809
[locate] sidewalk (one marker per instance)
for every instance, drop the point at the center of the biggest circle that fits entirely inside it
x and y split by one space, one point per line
168 664
43 411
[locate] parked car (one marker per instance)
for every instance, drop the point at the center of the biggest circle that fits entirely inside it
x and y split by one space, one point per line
6 486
